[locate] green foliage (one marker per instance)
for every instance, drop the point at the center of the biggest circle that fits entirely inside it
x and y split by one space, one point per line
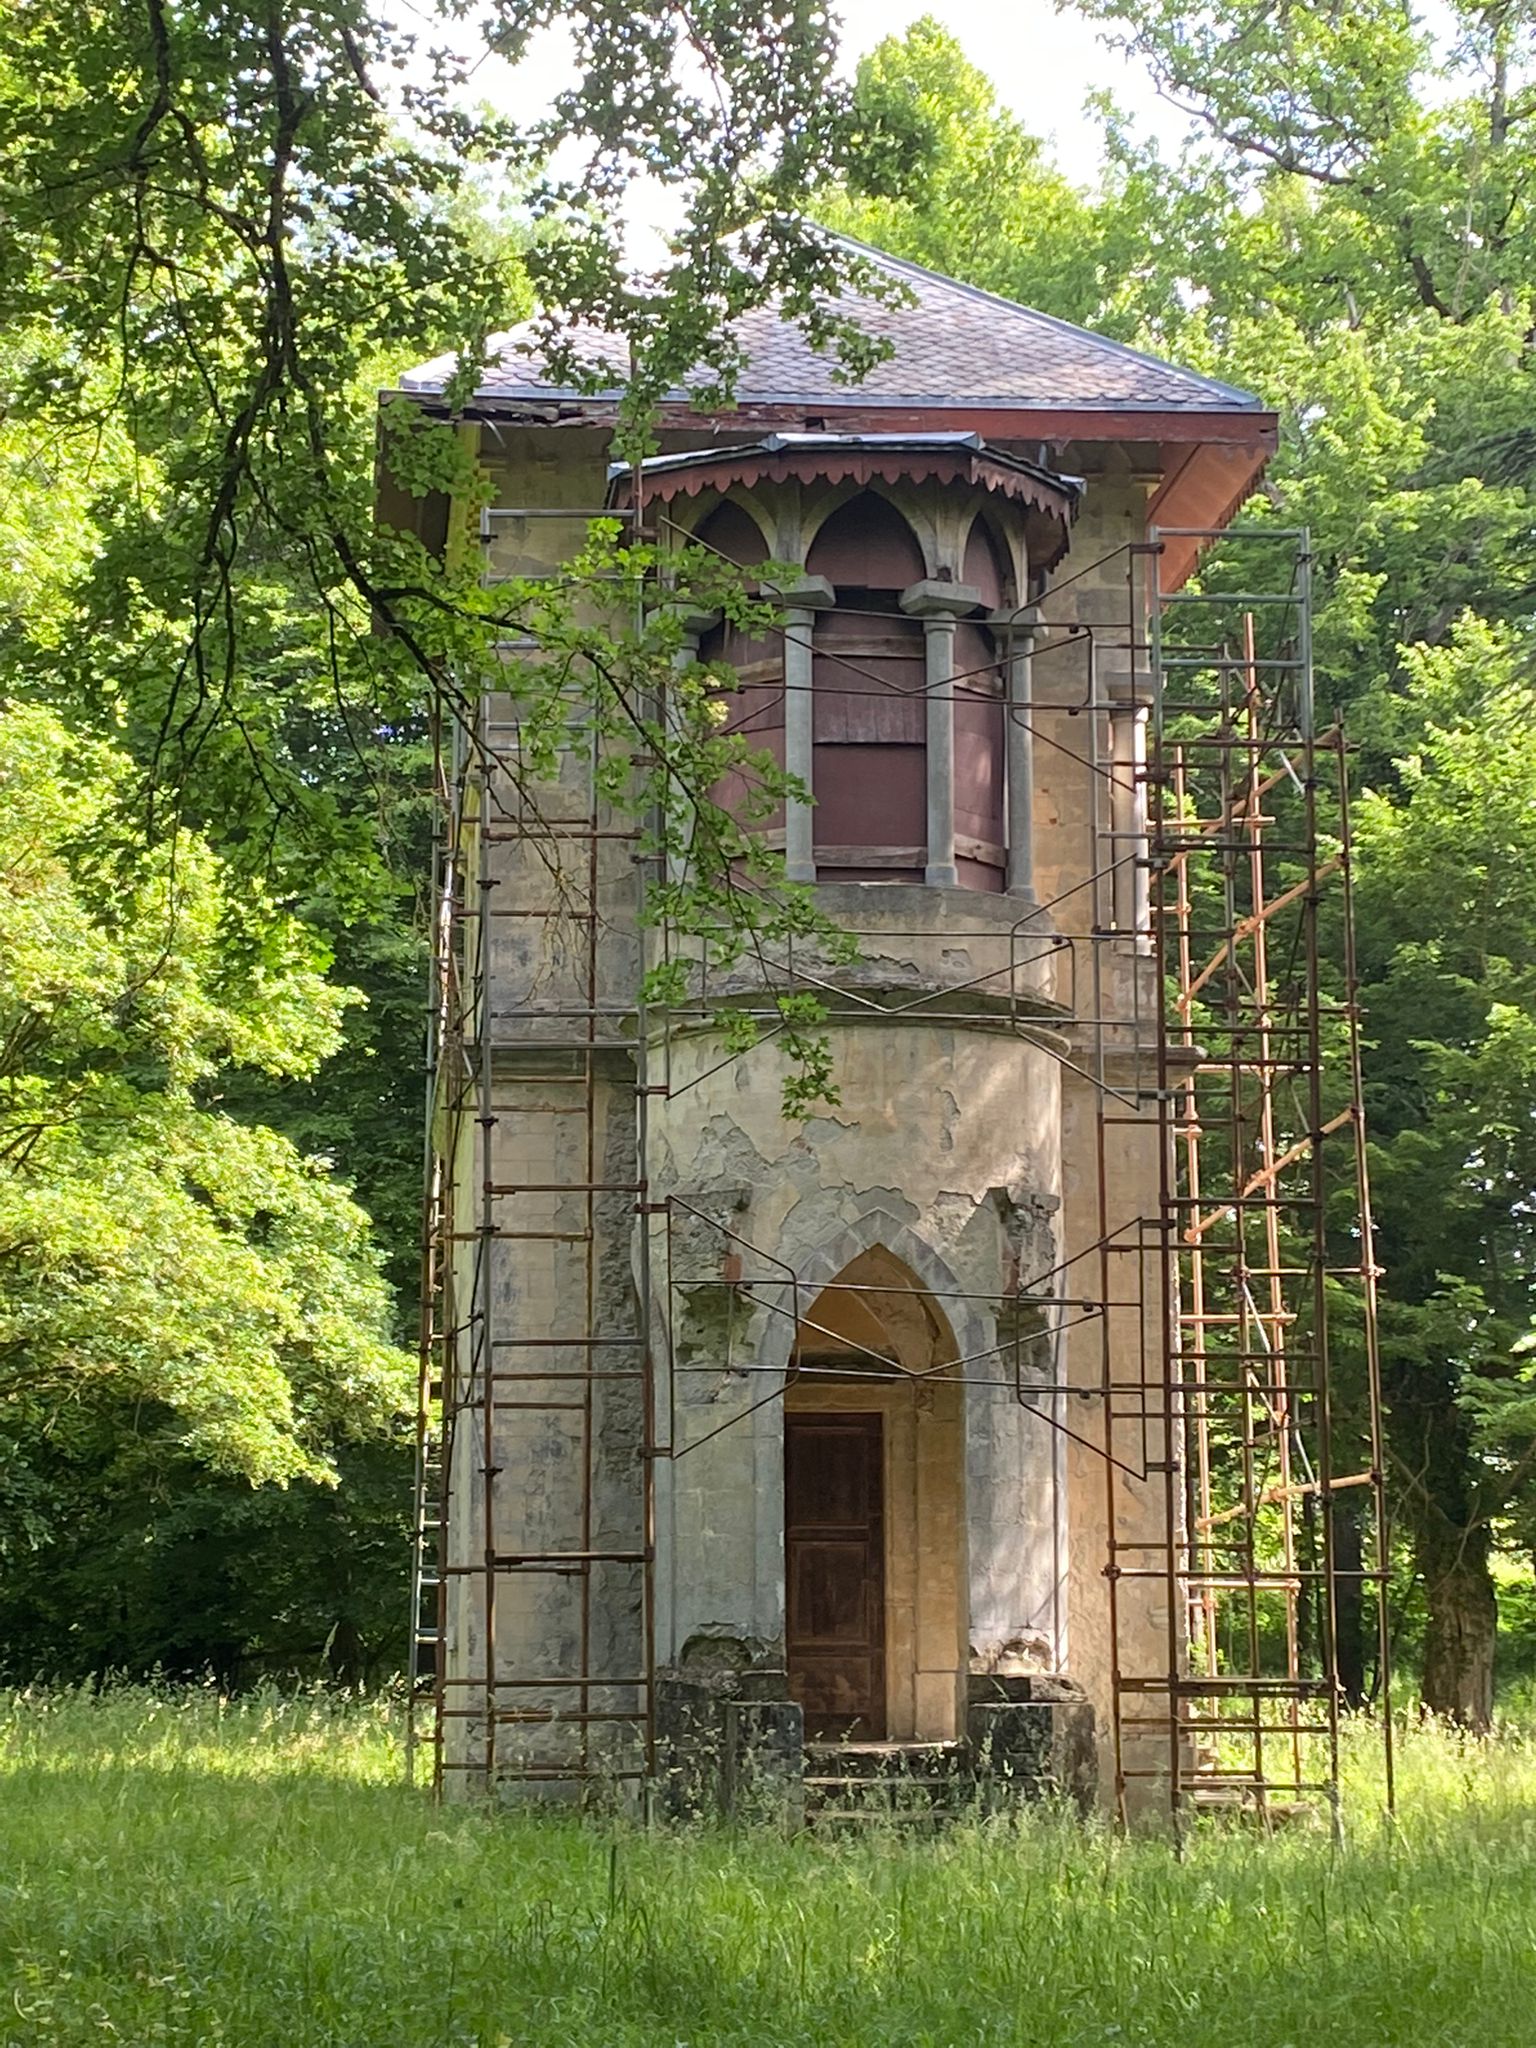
162 1261
222 230
167 1567
1448 963
1344 236
185 1867
942 174
1391 167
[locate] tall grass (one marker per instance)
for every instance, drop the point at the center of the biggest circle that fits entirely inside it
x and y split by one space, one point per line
178 1868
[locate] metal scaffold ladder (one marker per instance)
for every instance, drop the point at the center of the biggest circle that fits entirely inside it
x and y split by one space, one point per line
533 1068
1267 1246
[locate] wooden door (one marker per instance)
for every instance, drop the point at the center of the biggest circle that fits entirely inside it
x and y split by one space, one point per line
834 1556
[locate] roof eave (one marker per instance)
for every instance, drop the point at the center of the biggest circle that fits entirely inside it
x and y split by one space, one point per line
1249 426
1198 498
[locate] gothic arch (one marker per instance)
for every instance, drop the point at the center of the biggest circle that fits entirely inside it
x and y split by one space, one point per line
820 517
712 506
987 524
909 1562
972 1330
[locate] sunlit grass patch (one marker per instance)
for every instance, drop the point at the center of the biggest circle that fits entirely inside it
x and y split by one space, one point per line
263 1735
176 1867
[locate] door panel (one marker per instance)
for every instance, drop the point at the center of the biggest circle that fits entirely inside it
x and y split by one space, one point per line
834 1555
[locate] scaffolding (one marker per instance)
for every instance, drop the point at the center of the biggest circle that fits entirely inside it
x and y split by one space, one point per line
532 887
1232 1325
1275 1508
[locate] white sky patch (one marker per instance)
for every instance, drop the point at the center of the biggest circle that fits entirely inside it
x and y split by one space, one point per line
1043 64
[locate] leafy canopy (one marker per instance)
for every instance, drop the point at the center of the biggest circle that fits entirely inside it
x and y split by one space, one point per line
158 1256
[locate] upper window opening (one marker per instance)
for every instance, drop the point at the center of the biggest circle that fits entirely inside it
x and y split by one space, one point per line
731 532
867 543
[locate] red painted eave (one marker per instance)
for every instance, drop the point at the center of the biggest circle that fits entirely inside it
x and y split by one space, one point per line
1056 426
1202 490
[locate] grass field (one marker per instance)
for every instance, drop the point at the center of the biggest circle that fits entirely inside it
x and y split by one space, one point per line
175 1868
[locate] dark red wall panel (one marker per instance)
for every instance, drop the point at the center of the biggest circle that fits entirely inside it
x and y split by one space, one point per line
867 542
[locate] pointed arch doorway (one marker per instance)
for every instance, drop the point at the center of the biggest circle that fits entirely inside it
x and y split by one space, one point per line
874 1510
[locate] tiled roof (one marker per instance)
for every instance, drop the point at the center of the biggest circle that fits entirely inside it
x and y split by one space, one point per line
953 346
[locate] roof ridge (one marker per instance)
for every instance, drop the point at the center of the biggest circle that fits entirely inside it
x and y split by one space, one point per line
1103 341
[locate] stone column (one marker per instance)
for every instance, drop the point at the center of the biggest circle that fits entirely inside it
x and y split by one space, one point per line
694 625
939 667
1128 798
1018 631
802 601
938 605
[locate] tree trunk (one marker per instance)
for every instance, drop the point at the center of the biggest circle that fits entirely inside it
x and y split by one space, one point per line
344 1653
1463 1622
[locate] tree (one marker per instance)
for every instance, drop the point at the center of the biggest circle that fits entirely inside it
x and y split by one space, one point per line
224 228
194 1280
1448 967
1416 149
1343 235
1354 233
942 174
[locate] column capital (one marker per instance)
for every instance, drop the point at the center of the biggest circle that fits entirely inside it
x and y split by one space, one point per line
1021 619
1129 692
931 599
803 593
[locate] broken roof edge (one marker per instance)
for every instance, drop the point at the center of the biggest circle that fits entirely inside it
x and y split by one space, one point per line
812 445
494 399
1070 419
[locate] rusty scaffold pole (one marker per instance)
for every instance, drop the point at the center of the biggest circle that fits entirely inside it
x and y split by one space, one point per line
536 1059
1259 1084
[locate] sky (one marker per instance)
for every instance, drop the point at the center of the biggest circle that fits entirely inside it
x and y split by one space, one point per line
1042 62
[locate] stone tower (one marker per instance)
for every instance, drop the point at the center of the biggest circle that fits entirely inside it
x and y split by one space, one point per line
764 1433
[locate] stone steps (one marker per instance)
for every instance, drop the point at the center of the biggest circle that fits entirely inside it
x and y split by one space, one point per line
915 1784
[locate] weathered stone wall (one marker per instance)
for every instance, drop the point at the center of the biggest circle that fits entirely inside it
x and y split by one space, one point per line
946 1153
566 1450
1121 1345
965 1143
544 1295
1085 651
